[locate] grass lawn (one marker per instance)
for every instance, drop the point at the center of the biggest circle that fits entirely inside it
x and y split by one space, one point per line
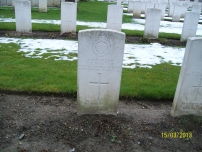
19 73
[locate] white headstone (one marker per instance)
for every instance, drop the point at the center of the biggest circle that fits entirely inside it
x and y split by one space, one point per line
143 8
152 23
114 17
196 8
35 2
9 2
171 9
162 7
3 2
118 2
50 2
177 13
68 17
42 5
130 6
148 6
56 3
190 25
100 59
184 10
188 95
137 7
23 16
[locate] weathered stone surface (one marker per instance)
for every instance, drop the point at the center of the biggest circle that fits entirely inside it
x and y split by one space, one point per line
42 5
23 16
68 17
188 95
114 17
152 23
100 59
190 25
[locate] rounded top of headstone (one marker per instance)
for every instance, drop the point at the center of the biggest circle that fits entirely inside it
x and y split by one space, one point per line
101 30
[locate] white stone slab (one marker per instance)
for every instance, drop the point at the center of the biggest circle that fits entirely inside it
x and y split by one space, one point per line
68 17
177 13
188 95
196 8
184 10
162 7
152 23
118 2
143 7
137 7
9 3
42 5
3 2
23 16
130 6
148 6
35 2
100 59
56 3
171 9
50 3
190 25
114 17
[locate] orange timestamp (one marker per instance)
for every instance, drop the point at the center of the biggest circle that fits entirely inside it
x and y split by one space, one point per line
177 134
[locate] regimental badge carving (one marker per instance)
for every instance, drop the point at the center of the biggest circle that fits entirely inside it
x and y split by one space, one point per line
101 46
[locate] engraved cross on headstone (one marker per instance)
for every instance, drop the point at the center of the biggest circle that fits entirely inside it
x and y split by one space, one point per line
99 83
198 88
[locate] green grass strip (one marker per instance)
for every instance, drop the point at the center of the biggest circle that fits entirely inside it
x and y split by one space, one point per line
19 73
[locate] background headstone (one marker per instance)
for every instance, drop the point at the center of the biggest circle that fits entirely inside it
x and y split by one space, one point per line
114 17
152 23
42 5
100 59
190 25
130 6
68 17
137 7
196 8
177 13
188 95
23 16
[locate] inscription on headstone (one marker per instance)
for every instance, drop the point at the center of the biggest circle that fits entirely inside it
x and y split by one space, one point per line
188 95
114 17
23 16
68 17
100 59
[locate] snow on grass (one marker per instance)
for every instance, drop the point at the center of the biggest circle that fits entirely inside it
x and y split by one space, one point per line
134 54
137 24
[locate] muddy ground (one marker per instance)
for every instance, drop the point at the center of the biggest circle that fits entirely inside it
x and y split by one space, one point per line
39 123
74 36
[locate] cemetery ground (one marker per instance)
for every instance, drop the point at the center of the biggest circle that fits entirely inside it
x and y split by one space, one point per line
40 115
38 103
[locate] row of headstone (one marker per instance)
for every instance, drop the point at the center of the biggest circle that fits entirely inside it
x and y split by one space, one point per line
100 59
23 16
176 10
68 16
34 2
139 7
153 19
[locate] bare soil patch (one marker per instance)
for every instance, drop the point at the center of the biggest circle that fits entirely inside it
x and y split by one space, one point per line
74 36
38 123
